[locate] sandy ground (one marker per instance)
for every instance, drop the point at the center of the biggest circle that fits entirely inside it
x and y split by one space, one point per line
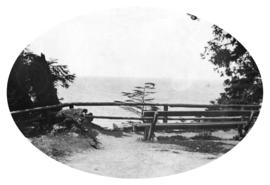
128 157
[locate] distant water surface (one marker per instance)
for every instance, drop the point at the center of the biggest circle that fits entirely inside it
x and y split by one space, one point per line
108 89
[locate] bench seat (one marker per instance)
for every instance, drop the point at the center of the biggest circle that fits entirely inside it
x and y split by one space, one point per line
199 125
210 120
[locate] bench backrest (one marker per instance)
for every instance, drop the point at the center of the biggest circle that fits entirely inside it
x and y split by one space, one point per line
222 114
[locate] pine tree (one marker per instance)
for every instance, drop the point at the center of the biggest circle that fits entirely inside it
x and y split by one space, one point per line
140 94
33 81
243 83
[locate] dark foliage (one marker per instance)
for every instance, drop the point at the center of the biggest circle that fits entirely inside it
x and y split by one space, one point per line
33 81
243 84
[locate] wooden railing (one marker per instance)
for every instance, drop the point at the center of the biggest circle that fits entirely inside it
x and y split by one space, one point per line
165 106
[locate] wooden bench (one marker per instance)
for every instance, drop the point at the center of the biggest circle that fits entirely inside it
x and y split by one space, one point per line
208 120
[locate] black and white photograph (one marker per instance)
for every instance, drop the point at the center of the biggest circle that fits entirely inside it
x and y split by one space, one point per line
135 92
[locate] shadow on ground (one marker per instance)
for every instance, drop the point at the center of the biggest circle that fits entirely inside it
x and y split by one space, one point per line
210 144
114 133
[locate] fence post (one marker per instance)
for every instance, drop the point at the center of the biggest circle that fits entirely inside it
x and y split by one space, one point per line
250 121
152 127
146 131
241 128
165 119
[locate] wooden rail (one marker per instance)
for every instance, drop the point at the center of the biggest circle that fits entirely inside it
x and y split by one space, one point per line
164 115
168 118
165 105
202 113
229 115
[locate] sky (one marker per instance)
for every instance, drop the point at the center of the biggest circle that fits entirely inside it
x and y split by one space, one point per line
143 43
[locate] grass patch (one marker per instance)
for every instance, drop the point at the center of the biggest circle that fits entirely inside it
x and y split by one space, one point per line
62 145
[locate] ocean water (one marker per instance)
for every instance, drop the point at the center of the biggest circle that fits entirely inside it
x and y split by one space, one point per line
108 89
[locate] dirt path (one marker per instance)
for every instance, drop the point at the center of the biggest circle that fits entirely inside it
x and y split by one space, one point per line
127 157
